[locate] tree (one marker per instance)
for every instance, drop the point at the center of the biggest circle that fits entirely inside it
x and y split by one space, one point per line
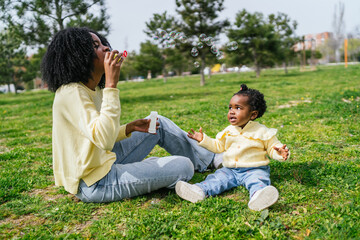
285 31
353 48
128 70
339 29
327 51
256 38
159 28
176 60
150 58
12 59
200 17
36 21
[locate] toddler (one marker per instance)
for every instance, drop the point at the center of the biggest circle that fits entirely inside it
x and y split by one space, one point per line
245 144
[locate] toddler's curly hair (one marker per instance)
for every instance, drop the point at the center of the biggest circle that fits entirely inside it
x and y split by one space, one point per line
256 99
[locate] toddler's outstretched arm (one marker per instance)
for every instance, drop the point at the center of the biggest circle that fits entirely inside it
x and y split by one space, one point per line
283 151
198 136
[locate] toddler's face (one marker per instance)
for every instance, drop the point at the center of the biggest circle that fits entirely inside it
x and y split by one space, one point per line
239 111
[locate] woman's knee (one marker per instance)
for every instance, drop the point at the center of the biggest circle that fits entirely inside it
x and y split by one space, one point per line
164 122
183 167
188 167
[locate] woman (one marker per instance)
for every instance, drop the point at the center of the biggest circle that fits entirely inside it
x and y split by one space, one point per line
94 157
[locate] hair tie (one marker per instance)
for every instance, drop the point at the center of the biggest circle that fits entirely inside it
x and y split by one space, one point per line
243 87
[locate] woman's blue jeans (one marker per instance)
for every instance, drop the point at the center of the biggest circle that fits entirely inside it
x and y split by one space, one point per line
224 179
131 176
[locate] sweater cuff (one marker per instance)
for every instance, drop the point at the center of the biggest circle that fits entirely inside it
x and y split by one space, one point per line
111 95
278 157
205 142
122 133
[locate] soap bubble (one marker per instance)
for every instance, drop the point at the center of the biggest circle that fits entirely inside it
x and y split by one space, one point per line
169 44
231 46
194 52
209 41
165 44
202 37
162 33
172 43
196 64
183 39
172 34
219 55
200 45
156 37
178 35
214 49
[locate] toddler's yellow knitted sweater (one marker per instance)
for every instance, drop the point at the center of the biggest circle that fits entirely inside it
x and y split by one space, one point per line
245 147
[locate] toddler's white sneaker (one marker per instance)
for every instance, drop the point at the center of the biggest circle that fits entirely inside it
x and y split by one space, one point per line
263 198
189 191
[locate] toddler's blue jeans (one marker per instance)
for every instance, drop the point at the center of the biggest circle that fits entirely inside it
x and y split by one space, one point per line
224 179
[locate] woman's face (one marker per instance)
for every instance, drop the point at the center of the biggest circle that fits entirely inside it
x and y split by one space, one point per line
100 51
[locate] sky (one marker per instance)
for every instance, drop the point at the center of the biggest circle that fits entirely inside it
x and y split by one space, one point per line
128 18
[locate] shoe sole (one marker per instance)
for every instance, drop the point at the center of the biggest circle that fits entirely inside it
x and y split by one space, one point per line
267 197
183 190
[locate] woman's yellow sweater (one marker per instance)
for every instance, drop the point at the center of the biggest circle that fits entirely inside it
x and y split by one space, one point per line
86 125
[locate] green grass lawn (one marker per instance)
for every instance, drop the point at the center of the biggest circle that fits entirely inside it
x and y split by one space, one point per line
316 113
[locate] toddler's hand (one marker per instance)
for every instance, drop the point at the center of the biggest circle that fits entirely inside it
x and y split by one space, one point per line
198 136
283 151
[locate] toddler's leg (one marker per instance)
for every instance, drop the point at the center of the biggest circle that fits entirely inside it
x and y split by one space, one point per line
220 181
223 179
129 180
262 194
257 178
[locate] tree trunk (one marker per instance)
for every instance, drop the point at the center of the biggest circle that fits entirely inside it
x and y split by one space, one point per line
13 79
164 67
164 75
202 66
258 70
58 13
257 65
337 55
285 67
202 81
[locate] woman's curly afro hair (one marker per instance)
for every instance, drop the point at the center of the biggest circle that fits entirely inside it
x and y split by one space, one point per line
256 99
70 58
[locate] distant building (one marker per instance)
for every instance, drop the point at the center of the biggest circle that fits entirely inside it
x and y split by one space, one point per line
39 83
313 41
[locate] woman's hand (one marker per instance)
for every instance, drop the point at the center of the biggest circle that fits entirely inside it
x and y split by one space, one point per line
139 125
198 136
283 151
112 65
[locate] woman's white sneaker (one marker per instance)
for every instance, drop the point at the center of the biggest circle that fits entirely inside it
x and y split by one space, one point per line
189 192
263 198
